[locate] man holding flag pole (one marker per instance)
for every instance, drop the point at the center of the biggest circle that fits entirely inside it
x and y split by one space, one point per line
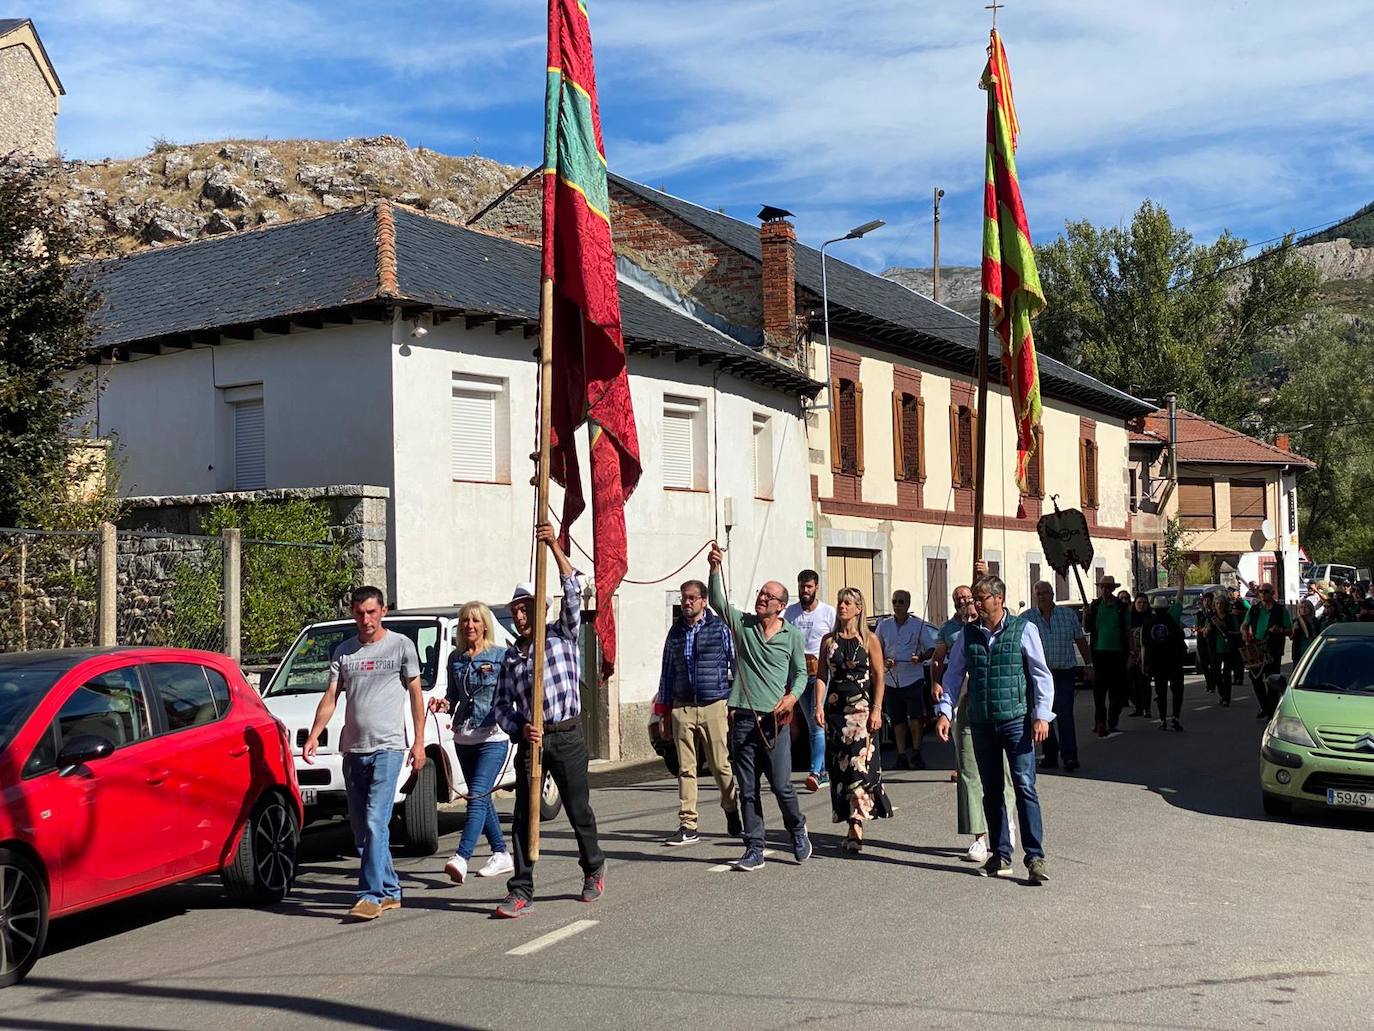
1009 691
582 379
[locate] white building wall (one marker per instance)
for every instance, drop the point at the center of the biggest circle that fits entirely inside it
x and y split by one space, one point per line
326 407
456 541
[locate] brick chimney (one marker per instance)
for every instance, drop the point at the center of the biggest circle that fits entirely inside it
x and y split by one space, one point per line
1281 442
778 241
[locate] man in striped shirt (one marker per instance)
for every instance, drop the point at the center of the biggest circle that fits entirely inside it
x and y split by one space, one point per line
1061 632
563 748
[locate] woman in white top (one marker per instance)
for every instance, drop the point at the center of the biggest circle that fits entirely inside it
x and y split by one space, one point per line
483 748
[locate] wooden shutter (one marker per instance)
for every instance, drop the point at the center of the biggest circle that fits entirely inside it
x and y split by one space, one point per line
954 464
859 427
1092 472
472 436
973 448
1083 473
898 437
1247 504
250 446
921 439
937 590
1195 508
834 416
1035 470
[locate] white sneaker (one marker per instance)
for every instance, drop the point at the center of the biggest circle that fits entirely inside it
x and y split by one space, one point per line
977 852
457 869
498 865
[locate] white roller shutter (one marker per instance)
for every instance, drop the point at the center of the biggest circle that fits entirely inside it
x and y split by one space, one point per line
678 464
472 436
250 446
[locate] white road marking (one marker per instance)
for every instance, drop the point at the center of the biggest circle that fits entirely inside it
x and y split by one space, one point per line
1201 708
730 866
552 938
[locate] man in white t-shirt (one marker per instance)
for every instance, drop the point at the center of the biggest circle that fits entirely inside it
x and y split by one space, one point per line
814 618
908 642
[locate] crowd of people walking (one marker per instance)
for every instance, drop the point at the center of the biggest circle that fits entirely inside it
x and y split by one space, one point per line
1000 686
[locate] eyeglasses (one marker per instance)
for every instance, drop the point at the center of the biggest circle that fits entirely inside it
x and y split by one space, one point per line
771 597
964 599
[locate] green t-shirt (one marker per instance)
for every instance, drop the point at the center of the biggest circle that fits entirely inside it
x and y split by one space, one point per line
1260 619
767 667
1107 633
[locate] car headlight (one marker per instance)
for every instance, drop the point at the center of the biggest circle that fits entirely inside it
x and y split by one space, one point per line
1291 730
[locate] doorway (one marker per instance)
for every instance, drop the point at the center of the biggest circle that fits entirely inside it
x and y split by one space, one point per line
853 567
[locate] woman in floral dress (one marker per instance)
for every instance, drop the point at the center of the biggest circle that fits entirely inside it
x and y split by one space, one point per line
849 702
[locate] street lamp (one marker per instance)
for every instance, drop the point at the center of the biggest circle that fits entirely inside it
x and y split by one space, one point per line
853 234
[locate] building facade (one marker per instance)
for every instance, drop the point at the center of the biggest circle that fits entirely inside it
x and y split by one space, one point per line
1236 499
890 444
30 92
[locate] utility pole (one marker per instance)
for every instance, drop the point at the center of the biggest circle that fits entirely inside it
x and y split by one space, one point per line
935 285
1172 400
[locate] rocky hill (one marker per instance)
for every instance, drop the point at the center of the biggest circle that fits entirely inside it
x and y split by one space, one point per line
179 193
960 285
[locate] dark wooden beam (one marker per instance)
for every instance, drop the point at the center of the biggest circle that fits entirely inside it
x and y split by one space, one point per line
475 320
506 325
337 317
372 312
207 337
308 320
177 342
531 330
239 332
278 327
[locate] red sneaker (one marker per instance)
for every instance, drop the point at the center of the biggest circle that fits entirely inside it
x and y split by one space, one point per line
593 885
514 906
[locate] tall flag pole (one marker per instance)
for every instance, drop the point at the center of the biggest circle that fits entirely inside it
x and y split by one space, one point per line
582 375
1011 282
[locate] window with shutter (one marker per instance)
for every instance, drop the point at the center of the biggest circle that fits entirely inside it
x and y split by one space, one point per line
848 398
763 457
937 590
1087 472
1247 504
911 438
250 446
1061 586
1035 470
898 455
477 446
1034 571
684 443
1195 504
966 441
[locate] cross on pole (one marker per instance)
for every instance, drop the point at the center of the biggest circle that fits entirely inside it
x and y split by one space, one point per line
994 7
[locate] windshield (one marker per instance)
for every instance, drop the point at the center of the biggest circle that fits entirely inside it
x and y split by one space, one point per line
21 690
1344 665
306 669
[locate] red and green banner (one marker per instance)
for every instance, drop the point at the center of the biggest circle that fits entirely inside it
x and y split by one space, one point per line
1011 284
590 384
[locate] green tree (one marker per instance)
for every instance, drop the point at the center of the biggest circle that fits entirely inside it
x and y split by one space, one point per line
1327 402
1147 309
46 310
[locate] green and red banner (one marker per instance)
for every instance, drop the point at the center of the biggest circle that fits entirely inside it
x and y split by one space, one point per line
590 384
1011 284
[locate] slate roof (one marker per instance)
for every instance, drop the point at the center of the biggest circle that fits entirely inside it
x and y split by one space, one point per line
8 25
901 318
1201 440
334 262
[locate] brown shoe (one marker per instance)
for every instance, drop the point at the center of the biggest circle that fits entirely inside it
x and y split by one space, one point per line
365 909
813 783
390 904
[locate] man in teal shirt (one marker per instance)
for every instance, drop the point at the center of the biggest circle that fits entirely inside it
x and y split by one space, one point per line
1269 624
1108 624
770 658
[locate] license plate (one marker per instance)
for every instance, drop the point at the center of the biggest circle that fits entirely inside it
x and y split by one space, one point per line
1355 799
309 796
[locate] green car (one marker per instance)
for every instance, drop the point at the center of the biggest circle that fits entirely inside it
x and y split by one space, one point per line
1319 748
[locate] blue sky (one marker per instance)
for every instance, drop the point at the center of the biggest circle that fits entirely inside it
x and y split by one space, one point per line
1253 116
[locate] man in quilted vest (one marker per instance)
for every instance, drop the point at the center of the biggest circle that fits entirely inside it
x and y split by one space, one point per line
1010 703
698 668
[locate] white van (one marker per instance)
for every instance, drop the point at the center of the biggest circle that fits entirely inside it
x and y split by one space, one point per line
293 693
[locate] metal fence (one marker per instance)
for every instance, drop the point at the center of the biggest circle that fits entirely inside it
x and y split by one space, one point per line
48 582
219 593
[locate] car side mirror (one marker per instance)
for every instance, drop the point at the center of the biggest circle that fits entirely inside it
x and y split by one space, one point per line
83 749
1276 682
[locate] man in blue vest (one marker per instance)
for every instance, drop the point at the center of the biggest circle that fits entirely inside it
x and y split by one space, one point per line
698 666
1011 704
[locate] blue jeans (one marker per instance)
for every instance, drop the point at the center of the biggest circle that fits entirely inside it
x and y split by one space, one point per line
481 765
753 760
808 707
1063 740
370 781
1013 739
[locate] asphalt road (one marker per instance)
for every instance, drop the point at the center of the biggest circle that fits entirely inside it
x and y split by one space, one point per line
1174 903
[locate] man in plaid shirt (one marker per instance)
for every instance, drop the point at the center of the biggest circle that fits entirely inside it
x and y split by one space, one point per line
563 749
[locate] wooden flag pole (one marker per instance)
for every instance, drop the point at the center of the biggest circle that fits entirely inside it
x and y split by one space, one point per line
981 448
541 561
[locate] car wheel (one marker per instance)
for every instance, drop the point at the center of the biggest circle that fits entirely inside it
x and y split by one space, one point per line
23 916
1277 807
550 802
263 867
420 813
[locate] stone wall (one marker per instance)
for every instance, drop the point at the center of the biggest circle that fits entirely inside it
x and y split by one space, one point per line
28 110
357 518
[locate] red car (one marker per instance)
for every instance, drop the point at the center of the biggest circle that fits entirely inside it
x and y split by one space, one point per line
125 769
